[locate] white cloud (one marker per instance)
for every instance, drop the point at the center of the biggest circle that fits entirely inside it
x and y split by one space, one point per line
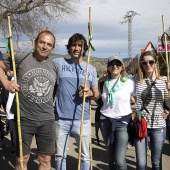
109 36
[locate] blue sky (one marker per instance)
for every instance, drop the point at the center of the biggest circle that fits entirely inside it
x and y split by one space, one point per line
109 36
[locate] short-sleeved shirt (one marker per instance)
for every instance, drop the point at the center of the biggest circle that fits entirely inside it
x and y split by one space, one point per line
37 80
122 106
71 76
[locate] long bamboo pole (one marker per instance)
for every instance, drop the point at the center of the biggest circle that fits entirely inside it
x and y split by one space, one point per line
91 155
84 97
16 94
166 55
162 58
166 51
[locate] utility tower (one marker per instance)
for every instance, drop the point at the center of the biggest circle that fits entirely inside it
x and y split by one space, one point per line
128 18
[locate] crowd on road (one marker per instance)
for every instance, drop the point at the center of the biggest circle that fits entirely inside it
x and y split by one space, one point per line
54 97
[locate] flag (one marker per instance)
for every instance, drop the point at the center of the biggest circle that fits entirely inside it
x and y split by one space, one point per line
8 45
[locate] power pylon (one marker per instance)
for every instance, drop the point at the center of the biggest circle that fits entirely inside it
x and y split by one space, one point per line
128 18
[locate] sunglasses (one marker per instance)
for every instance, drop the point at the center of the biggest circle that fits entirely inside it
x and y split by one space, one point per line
150 62
116 63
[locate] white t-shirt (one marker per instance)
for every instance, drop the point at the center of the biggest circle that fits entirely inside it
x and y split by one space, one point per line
122 106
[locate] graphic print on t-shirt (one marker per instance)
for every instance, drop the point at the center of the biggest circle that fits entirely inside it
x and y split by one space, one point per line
75 69
36 85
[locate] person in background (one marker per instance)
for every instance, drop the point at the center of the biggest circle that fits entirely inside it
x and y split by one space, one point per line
153 110
37 75
10 109
69 101
5 120
116 112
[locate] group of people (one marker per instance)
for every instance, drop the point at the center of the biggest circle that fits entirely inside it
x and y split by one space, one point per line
41 81
150 91
38 76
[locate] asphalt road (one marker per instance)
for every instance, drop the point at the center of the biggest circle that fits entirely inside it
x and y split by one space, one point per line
99 155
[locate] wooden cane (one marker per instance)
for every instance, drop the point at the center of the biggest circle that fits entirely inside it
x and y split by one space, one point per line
84 97
16 94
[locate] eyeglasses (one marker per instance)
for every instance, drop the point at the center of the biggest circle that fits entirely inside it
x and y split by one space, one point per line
117 63
150 62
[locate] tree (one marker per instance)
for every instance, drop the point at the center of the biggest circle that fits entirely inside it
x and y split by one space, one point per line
28 15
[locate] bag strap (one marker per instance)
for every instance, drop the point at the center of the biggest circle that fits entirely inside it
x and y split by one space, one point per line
149 89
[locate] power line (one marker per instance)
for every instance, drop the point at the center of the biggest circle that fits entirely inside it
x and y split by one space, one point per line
128 19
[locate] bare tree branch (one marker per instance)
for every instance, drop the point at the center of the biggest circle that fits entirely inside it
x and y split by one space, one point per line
28 15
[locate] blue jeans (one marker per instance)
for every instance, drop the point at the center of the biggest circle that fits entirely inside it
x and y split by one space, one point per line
157 139
117 150
63 130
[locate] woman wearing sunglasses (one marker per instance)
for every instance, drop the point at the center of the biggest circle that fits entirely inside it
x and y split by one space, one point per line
116 112
149 83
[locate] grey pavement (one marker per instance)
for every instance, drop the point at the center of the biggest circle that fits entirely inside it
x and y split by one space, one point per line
99 155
